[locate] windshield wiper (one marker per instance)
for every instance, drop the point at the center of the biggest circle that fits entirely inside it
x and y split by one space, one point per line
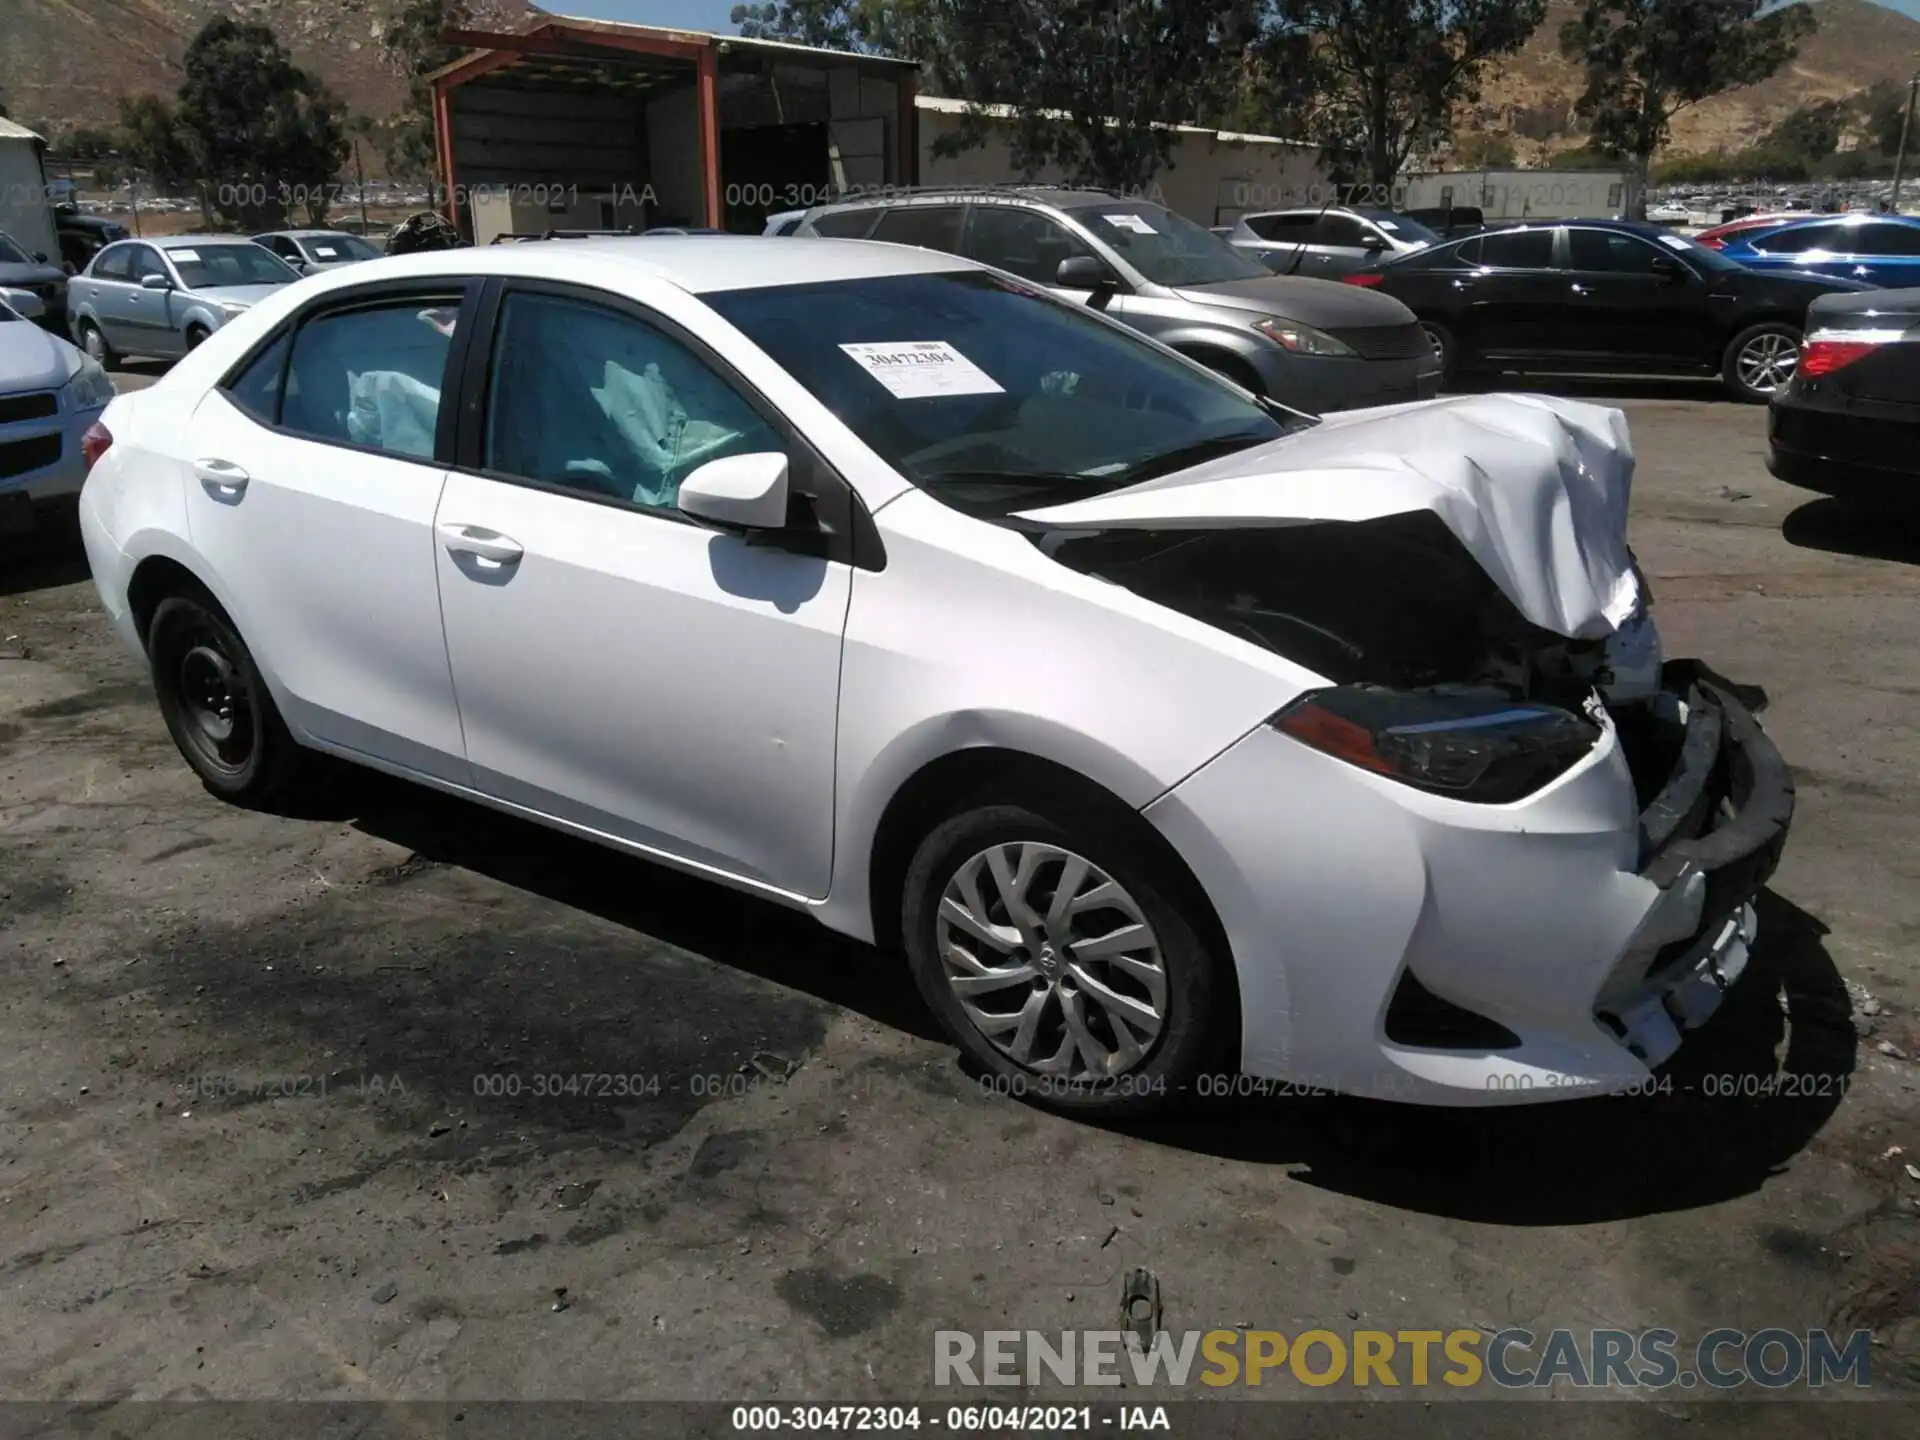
1195 454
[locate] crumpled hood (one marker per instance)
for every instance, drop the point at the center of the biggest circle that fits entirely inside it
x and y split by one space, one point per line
1534 487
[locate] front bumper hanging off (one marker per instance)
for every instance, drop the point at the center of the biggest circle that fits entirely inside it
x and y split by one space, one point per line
1709 840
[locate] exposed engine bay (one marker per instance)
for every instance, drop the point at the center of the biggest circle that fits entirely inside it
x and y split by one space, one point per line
1395 601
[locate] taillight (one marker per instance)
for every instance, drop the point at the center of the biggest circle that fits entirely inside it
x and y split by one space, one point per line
1820 355
1362 278
94 444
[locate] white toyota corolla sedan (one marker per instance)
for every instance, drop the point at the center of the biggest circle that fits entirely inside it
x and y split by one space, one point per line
1173 736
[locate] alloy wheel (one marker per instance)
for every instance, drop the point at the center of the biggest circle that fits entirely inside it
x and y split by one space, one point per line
1767 362
93 343
1438 345
1052 961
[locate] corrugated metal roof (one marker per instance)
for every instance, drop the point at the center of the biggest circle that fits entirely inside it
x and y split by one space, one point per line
581 31
11 131
946 106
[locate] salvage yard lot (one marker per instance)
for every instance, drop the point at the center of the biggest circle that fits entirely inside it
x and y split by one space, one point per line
401 1098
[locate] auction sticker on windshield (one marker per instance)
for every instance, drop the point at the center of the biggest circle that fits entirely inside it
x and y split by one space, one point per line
920 369
1129 222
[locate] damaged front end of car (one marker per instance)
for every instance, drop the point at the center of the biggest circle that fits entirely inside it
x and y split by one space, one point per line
1481 638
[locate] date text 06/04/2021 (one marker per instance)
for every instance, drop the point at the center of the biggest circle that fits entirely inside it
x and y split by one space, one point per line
958 1419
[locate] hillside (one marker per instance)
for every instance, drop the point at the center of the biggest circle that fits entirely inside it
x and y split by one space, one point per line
66 61
1857 43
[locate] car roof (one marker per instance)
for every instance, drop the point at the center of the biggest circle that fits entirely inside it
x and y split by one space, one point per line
695 263
303 234
188 242
1850 217
1061 198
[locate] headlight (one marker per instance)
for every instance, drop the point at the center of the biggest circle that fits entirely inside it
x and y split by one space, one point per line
1301 339
230 308
1468 743
88 388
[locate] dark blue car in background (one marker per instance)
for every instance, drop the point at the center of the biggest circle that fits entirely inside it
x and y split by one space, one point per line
1876 249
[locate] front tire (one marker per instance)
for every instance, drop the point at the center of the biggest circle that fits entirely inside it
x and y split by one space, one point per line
196 334
216 705
1759 361
1058 960
95 344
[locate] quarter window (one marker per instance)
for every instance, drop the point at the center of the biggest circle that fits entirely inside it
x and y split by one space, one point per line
1023 242
256 389
845 224
602 403
371 376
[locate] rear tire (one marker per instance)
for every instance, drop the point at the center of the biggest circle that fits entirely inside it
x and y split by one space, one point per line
217 706
1759 361
95 344
1114 1008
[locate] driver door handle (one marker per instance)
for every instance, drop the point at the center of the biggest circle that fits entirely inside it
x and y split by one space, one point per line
481 543
222 476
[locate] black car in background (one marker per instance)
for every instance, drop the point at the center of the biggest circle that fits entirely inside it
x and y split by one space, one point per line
1849 423
1604 295
83 236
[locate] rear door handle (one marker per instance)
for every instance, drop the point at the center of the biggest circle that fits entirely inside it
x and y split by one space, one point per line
220 476
481 543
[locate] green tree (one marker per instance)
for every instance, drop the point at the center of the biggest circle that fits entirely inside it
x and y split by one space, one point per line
1881 107
1647 60
1090 85
263 134
1384 77
830 24
1483 152
154 143
1811 131
414 48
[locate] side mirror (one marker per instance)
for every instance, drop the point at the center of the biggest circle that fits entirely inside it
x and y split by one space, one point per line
155 282
1082 272
1375 246
740 492
1667 269
41 256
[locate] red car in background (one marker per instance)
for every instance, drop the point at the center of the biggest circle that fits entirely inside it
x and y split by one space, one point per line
1718 236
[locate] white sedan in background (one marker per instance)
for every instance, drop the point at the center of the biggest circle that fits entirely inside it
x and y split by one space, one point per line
1167 731
50 396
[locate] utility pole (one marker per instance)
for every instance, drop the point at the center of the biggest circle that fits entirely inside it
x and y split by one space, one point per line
360 177
1900 159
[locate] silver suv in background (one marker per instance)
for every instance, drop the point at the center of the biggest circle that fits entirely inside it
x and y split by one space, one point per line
161 297
1309 344
1327 243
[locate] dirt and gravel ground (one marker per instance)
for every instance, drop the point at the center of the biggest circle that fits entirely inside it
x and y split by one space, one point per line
268 1121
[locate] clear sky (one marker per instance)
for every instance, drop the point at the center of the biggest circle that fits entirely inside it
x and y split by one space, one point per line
712 14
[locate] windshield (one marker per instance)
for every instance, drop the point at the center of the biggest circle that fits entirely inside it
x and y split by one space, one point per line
1167 248
211 267
332 249
1703 256
993 397
12 254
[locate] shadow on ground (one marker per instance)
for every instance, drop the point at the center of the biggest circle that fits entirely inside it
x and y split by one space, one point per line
592 963
48 556
1842 529
1733 1118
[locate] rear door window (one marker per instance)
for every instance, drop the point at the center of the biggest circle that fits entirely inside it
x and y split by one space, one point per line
931 227
1518 250
371 376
